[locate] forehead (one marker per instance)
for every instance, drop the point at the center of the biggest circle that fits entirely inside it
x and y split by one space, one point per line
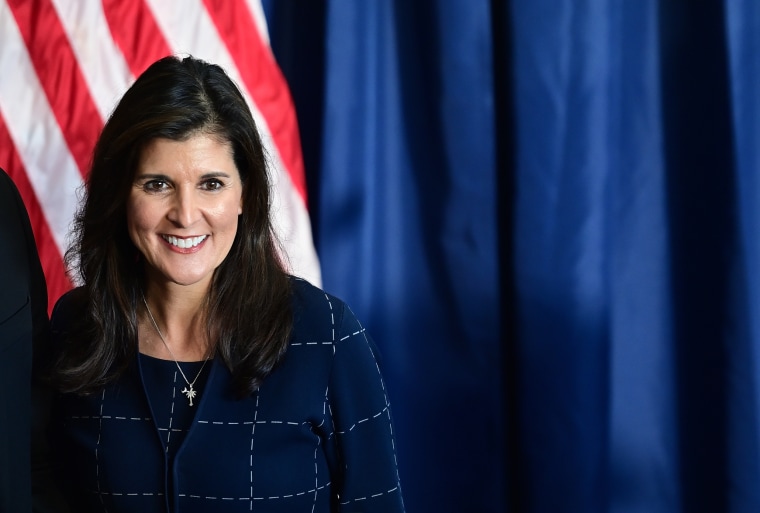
198 154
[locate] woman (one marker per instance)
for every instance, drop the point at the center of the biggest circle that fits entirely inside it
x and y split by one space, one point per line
194 373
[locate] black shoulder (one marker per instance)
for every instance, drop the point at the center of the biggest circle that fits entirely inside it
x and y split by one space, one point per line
69 308
7 186
10 197
304 290
308 296
317 315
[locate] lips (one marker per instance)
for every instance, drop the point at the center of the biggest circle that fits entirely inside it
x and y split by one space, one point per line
186 243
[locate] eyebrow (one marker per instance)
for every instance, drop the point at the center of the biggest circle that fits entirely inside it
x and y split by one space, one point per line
212 174
149 175
216 174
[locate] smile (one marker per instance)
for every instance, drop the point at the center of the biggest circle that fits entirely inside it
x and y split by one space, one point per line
189 242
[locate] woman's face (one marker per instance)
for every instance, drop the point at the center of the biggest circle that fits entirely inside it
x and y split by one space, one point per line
183 208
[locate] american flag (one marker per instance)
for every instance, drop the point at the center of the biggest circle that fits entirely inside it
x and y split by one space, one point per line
65 64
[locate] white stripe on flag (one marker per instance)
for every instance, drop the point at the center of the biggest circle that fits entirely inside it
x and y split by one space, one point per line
50 167
257 11
100 60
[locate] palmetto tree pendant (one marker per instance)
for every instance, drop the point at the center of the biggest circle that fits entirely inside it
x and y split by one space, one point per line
189 393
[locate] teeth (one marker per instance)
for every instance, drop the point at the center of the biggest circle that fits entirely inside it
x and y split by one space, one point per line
189 242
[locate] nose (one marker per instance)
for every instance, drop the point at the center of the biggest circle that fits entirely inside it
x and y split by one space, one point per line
184 211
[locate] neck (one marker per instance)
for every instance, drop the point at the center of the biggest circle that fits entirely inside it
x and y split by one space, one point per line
181 319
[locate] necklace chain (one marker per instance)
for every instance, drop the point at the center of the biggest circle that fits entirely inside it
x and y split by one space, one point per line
189 392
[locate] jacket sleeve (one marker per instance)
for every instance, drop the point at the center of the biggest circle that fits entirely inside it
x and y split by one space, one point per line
367 474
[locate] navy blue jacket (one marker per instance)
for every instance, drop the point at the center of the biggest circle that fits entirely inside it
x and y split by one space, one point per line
23 326
16 336
316 437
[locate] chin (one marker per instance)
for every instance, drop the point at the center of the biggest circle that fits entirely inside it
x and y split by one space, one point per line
187 281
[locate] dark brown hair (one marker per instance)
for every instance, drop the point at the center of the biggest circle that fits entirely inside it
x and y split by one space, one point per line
248 305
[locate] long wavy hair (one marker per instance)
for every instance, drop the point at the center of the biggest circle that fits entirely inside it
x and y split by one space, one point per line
248 306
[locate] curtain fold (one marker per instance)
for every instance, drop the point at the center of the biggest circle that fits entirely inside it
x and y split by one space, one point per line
405 216
611 149
742 20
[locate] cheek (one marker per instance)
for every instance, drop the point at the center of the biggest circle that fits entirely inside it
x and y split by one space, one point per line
137 221
229 222
226 214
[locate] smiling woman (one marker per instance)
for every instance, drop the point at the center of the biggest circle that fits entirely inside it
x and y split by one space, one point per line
183 208
191 371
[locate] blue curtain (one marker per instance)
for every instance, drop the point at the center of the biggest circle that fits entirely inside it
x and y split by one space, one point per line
548 215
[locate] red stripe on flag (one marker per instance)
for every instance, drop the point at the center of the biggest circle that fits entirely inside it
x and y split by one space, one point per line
50 256
263 79
58 71
136 33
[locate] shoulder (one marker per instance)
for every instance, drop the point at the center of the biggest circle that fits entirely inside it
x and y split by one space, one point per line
321 319
308 296
319 315
10 199
14 225
8 188
20 270
70 306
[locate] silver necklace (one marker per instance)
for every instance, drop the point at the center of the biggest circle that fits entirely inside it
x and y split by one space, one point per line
189 391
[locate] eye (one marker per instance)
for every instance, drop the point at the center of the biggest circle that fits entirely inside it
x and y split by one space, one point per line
212 184
155 185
